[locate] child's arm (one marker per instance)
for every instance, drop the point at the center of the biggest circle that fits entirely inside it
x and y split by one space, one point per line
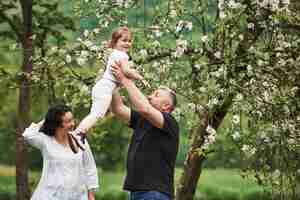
132 73
88 122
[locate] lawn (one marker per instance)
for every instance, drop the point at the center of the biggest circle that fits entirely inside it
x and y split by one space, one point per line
214 184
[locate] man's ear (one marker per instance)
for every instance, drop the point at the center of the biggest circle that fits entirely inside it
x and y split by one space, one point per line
167 107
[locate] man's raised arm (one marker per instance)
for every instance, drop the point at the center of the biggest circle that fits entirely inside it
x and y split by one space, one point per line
138 99
119 108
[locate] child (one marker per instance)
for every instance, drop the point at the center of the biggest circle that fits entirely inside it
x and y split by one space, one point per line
121 41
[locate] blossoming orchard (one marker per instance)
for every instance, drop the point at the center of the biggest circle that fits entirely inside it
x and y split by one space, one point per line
233 60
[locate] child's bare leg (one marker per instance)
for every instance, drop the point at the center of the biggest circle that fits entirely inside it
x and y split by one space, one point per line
99 108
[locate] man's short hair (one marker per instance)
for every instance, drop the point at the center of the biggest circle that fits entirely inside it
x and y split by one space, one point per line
172 95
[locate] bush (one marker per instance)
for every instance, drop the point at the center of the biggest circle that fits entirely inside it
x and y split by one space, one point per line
7 196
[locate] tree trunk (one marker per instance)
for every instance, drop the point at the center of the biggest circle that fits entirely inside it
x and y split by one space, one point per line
24 102
194 160
193 164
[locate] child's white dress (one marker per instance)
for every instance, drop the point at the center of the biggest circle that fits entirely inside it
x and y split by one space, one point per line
103 89
65 175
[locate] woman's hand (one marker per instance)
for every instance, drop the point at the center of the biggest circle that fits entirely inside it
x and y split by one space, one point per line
37 125
40 123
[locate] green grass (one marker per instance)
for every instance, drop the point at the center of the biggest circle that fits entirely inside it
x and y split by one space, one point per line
218 184
226 184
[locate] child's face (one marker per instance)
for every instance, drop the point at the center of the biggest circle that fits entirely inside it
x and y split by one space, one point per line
124 43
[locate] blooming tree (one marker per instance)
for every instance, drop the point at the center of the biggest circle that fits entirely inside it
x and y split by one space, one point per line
234 56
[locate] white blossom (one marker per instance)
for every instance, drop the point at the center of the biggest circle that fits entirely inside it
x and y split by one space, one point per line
88 43
249 70
81 61
265 137
191 106
291 141
68 58
197 66
181 46
274 5
210 130
86 33
202 89
118 2
233 5
96 30
106 24
248 150
156 30
277 173
260 62
156 43
84 89
236 119
222 15
236 135
84 53
143 53
241 36
251 49
95 48
239 97
218 54
173 13
54 49
156 64
184 25
212 102
179 26
210 138
221 4
204 38
250 25
189 26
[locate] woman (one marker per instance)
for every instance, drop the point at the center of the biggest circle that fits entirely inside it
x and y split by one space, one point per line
66 175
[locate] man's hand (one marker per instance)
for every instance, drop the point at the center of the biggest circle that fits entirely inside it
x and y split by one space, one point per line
118 72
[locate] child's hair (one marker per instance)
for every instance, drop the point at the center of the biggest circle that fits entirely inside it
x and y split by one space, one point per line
117 34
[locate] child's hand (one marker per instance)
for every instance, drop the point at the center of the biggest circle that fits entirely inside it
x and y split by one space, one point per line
82 133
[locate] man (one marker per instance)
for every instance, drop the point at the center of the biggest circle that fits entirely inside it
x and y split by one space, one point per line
154 144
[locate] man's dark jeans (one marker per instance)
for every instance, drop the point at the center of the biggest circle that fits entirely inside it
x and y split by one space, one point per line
148 195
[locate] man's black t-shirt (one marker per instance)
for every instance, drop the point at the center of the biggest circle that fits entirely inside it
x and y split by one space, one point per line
152 155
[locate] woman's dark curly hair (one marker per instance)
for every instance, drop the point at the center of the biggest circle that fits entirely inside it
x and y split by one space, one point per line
53 119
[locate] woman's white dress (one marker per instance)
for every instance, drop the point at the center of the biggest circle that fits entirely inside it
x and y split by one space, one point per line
65 175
